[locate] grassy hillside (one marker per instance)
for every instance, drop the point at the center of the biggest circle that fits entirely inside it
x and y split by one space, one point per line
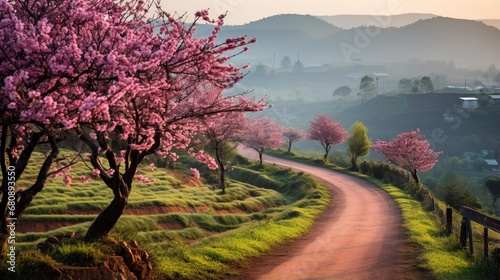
191 230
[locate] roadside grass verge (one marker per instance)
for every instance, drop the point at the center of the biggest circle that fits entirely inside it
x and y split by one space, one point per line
190 229
441 254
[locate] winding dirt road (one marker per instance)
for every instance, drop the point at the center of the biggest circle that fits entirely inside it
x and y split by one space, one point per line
359 237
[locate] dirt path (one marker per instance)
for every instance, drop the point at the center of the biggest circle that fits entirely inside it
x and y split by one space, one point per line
359 237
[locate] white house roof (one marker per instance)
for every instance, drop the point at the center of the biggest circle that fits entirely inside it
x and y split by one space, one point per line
469 98
491 162
495 96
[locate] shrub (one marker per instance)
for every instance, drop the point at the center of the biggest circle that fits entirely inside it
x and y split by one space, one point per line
379 170
78 254
456 196
364 167
493 185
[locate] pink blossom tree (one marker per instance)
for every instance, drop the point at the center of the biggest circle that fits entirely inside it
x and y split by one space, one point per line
56 58
292 135
219 135
99 68
263 133
177 89
327 131
410 151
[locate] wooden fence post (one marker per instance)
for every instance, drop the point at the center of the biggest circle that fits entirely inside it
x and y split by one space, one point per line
463 232
486 243
487 222
471 245
449 220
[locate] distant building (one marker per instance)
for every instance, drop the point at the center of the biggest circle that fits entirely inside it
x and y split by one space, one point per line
492 163
494 99
469 103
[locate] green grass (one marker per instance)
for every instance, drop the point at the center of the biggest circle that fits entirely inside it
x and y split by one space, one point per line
202 234
441 254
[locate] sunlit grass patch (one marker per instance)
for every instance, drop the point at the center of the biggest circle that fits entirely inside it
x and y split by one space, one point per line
208 230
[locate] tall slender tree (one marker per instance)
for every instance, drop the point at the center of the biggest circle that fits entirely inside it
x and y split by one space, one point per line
358 144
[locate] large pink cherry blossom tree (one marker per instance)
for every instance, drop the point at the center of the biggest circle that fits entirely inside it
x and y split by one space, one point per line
99 68
327 131
263 133
410 151
59 65
178 88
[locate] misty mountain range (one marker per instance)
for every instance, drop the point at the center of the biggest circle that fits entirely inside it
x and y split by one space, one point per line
318 41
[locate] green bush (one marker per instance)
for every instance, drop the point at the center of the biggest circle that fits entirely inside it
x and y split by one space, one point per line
80 254
493 185
364 167
456 196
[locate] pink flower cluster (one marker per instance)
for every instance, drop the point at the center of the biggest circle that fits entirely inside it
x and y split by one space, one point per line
196 173
144 180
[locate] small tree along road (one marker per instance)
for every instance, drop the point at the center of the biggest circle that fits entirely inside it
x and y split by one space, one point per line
359 237
327 131
410 151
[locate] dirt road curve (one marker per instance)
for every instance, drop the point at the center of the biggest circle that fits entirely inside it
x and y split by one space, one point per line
359 237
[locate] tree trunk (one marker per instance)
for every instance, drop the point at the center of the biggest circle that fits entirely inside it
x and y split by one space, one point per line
325 157
4 234
223 179
415 176
109 217
261 151
289 146
26 196
220 162
354 163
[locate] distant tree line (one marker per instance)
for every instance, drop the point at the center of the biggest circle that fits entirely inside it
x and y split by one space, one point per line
416 85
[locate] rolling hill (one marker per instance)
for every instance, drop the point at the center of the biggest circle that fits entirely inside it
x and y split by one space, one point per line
464 41
316 42
353 21
312 26
387 116
492 22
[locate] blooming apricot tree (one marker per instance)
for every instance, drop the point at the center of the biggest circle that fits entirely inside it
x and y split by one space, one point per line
59 65
177 90
410 151
292 135
263 133
99 68
327 131
219 134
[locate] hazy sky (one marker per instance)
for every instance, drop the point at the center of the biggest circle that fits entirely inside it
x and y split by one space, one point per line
243 11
